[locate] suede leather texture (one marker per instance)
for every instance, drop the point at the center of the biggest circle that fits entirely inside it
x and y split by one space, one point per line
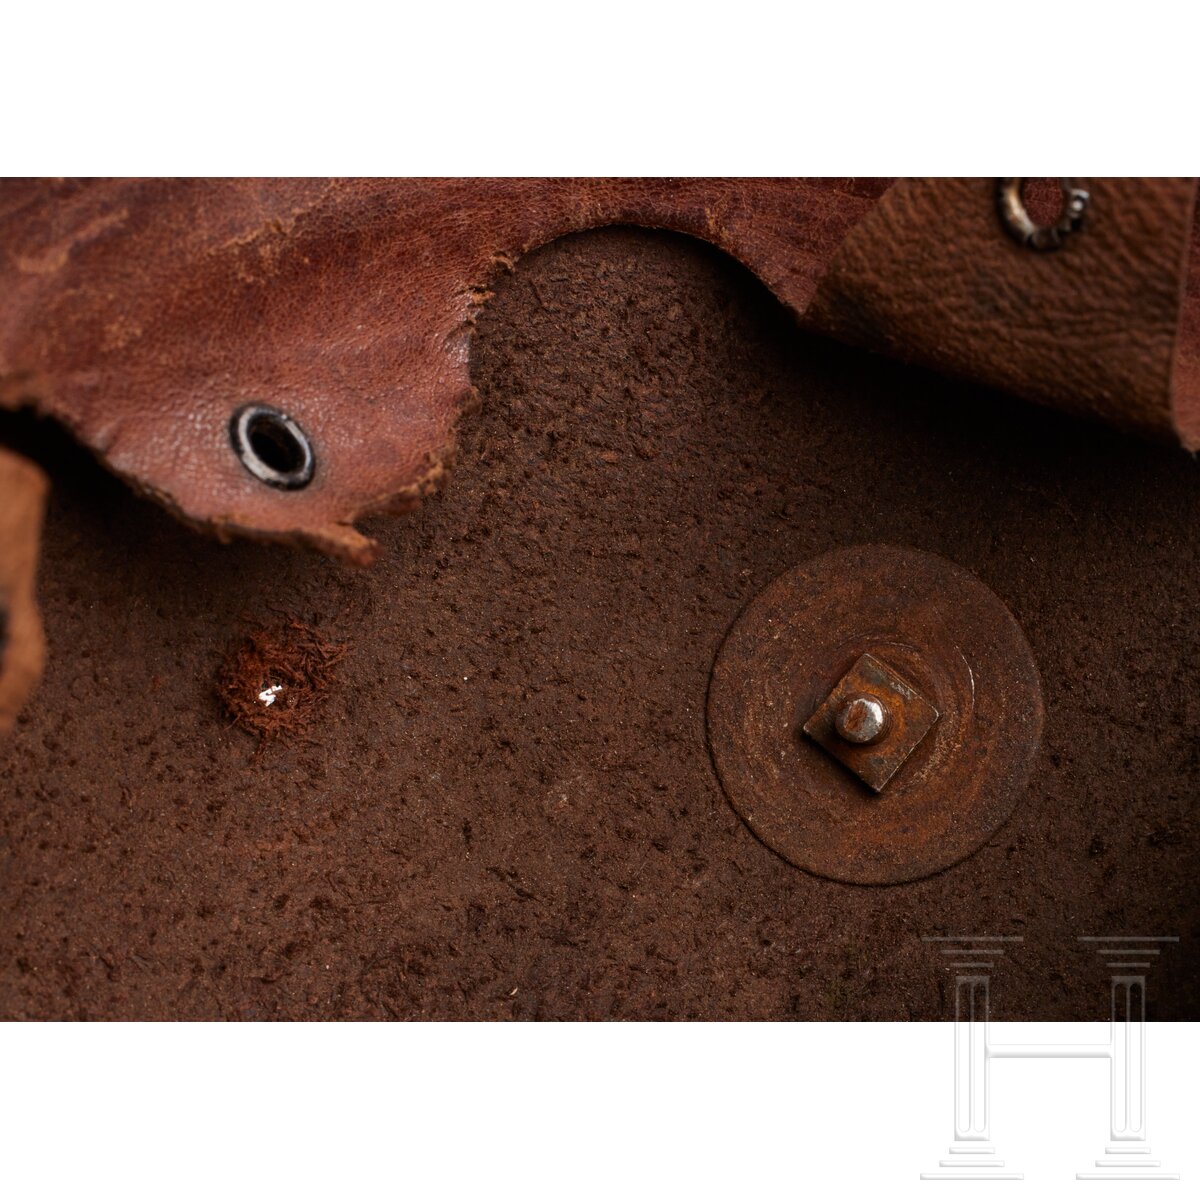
507 808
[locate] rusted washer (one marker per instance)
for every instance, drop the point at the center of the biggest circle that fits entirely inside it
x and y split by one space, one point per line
934 625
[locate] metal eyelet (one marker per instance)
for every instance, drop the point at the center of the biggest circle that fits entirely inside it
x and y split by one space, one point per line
272 447
1024 229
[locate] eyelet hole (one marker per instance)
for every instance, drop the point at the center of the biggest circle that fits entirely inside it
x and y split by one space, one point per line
271 446
275 444
1034 217
1044 201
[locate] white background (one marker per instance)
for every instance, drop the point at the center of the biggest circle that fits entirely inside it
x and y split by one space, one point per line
629 87
555 1112
762 1111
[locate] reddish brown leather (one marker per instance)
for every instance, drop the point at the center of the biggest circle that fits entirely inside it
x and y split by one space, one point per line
1090 328
22 647
143 313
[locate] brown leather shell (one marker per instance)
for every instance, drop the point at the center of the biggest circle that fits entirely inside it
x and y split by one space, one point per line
1090 328
142 314
22 646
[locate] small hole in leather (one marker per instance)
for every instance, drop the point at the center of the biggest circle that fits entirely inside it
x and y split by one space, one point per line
1043 200
275 444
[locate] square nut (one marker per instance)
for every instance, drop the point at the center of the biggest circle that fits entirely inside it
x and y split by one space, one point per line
871 721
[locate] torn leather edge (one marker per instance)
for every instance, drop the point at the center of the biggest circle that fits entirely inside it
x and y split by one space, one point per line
870 292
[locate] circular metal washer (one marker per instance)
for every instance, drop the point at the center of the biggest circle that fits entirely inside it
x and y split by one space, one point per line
937 627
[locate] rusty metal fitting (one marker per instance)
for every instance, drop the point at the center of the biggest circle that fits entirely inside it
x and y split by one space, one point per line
805 756
855 721
862 720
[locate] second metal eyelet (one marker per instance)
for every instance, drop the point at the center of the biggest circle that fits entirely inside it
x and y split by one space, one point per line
1021 226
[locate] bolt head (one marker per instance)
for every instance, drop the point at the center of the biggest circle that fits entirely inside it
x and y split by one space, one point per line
861 719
